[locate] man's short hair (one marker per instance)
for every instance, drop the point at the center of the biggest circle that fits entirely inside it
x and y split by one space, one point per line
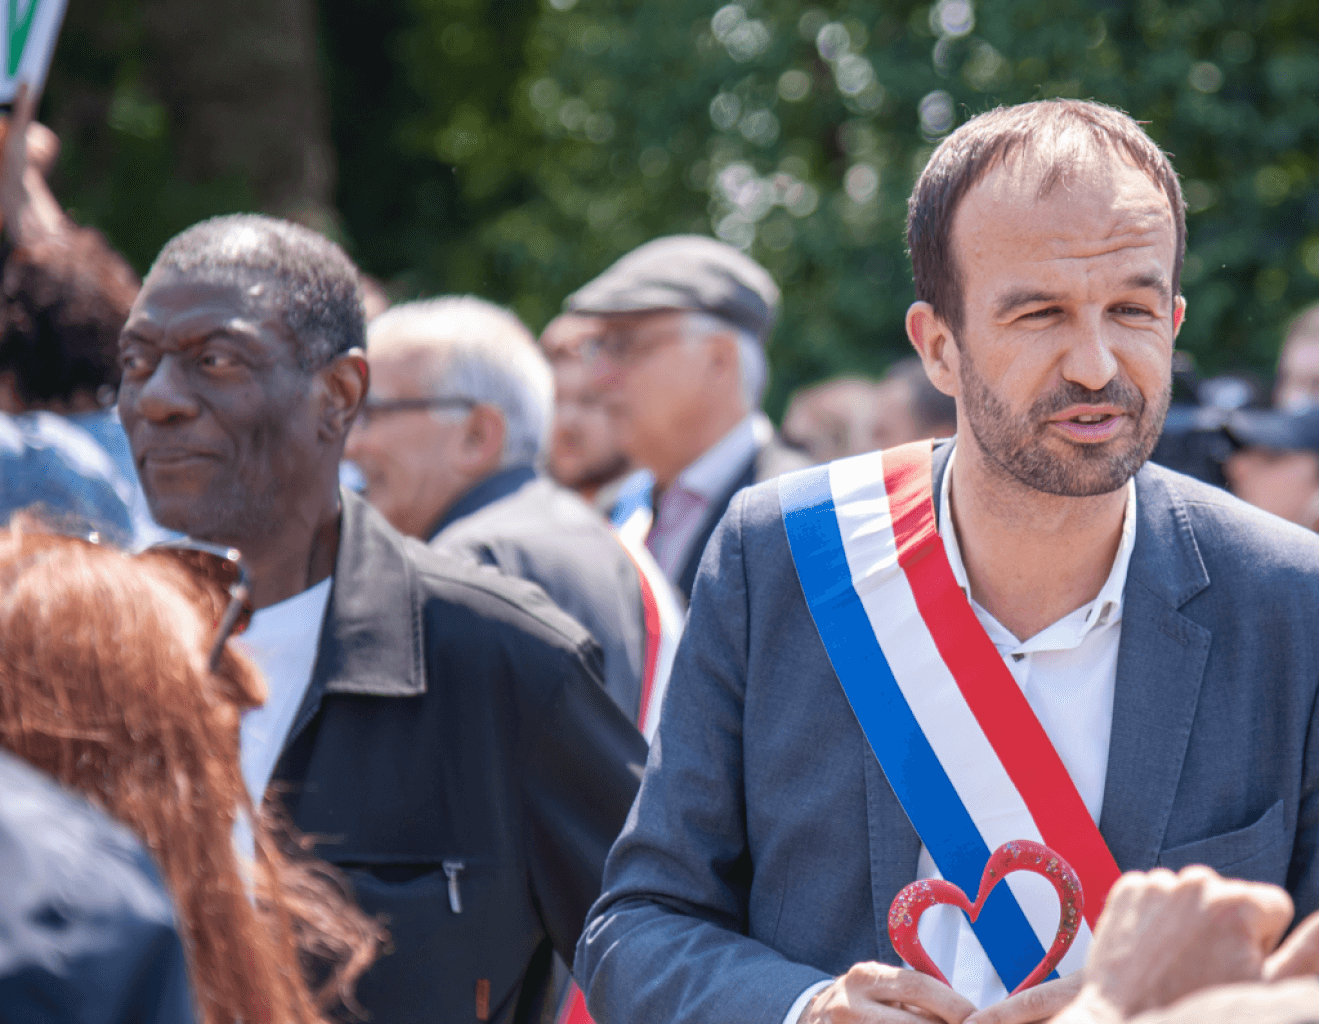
65 301
930 407
476 350
316 284
1060 131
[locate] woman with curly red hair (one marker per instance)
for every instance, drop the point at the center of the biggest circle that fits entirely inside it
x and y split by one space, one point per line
106 683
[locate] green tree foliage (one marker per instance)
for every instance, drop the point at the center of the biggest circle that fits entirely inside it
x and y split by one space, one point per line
119 166
514 148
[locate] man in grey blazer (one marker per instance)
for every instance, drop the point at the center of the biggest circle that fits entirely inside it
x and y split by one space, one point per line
679 361
449 441
1162 631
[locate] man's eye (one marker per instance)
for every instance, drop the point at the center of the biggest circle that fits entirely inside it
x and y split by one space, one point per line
216 360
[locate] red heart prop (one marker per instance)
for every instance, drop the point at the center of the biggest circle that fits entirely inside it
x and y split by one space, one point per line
1019 855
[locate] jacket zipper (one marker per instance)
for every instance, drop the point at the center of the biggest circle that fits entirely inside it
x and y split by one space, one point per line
452 868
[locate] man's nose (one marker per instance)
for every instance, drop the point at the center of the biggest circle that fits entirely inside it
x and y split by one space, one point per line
165 396
1089 359
604 373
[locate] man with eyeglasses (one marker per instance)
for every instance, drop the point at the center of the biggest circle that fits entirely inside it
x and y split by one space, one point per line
681 363
453 430
441 730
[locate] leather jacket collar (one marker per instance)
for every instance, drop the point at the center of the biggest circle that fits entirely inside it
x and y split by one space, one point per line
371 641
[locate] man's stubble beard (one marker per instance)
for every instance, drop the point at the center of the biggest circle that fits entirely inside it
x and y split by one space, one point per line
600 473
230 515
1016 444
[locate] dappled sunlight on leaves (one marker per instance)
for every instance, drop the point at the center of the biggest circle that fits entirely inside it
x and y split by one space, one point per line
514 150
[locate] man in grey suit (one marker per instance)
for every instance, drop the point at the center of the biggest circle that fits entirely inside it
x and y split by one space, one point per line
1161 631
679 361
449 440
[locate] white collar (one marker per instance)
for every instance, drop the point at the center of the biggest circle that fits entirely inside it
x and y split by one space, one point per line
1105 609
710 475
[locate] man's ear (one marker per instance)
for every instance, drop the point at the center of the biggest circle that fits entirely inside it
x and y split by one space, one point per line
726 360
936 346
483 440
343 385
723 351
1178 315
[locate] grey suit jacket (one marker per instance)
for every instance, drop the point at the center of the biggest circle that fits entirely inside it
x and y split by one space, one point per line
532 528
771 460
765 844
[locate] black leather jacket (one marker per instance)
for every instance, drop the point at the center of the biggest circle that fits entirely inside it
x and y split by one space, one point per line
457 757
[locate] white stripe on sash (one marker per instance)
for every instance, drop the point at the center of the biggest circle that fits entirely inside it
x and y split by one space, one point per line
997 808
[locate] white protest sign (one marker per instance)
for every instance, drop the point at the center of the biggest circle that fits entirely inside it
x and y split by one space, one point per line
28 29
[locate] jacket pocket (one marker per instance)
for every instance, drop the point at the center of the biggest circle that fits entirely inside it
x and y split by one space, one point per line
453 958
1260 852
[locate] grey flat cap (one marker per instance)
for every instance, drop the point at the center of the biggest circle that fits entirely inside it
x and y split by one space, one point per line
1280 431
688 272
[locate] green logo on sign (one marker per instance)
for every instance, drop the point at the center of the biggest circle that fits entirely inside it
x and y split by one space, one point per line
18 30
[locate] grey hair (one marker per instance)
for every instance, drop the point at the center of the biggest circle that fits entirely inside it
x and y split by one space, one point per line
315 285
751 363
476 350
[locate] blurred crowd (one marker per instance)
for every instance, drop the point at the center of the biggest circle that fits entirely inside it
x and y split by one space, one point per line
368 755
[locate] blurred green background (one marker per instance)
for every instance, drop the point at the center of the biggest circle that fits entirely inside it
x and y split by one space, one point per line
513 148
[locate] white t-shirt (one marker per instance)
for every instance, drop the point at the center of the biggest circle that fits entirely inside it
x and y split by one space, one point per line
282 640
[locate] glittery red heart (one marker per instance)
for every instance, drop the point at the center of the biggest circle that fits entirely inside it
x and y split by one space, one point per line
1020 855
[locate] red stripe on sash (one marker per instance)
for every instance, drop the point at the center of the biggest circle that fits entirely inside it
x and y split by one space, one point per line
654 635
990 690
574 1008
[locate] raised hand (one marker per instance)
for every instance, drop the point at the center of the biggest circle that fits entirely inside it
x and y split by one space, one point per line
28 152
1298 957
1163 936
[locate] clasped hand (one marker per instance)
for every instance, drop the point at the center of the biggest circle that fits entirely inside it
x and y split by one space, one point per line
1162 937
872 993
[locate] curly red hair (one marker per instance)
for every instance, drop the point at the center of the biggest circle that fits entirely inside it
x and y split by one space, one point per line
104 684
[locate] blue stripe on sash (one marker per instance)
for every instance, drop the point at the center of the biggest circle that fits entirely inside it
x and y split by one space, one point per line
910 765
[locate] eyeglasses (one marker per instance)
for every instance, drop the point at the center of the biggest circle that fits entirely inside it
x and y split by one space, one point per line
625 348
221 569
372 410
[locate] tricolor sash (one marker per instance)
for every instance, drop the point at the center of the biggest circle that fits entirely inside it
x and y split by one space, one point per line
955 736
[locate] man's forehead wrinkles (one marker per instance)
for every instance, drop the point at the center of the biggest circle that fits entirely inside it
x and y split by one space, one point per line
1098 253
197 326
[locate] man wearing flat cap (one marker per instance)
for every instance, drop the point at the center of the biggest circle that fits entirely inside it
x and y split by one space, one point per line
1276 462
681 365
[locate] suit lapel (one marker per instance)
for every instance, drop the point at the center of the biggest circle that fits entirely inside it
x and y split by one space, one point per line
1161 662
895 848
715 512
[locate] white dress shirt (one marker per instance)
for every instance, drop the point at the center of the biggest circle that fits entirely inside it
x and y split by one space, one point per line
1068 672
683 504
